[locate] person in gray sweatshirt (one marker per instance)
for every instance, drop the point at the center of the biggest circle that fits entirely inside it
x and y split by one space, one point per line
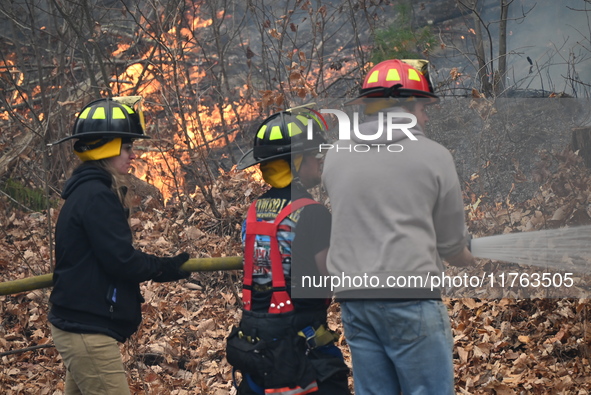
397 213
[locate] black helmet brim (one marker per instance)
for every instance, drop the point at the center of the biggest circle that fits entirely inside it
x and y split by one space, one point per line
99 135
249 160
367 95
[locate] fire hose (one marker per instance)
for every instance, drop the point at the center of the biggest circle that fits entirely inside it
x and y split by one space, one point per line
192 265
557 249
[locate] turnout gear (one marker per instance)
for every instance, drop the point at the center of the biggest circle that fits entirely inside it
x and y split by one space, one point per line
283 134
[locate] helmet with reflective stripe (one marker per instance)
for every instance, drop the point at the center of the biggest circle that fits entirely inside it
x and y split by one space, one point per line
396 78
104 125
109 118
283 134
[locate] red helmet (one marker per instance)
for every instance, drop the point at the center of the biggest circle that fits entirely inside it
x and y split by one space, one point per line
398 78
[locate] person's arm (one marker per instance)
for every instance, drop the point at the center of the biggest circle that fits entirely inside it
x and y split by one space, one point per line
111 239
463 259
320 259
449 218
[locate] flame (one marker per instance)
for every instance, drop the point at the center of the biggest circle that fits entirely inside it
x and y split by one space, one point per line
199 23
11 73
206 122
198 127
121 48
132 75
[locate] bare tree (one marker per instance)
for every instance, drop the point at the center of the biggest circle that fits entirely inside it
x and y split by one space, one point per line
208 71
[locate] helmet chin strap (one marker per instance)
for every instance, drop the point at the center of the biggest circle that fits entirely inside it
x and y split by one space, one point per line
296 165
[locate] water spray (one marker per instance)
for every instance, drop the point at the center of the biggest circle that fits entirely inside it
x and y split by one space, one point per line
560 249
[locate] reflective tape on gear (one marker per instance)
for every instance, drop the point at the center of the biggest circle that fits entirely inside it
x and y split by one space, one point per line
99 113
118 113
293 129
373 77
413 75
261 133
303 119
393 75
84 113
275 133
129 109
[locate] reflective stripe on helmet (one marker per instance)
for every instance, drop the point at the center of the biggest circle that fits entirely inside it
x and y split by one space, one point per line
374 77
261 133
392 75
118 113
84 113
293 129
388 73
413 75
275 133
99 113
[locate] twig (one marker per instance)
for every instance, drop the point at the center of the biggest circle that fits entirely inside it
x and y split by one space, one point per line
21 350
11 198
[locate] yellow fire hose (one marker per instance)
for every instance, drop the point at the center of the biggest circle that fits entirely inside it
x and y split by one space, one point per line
192 265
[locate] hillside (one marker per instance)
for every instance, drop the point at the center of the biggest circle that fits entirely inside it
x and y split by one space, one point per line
504 345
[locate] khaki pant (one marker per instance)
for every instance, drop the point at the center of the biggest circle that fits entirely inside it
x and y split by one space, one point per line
93 363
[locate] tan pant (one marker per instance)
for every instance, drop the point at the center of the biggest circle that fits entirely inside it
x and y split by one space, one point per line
93 363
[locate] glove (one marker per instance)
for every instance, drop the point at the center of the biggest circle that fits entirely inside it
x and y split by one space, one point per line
170 269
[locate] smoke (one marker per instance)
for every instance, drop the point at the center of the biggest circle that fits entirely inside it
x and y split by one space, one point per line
556 37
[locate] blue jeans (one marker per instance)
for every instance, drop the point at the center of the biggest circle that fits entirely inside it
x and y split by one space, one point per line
399 346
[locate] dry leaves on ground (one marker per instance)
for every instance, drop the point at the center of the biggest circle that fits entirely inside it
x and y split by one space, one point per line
502 345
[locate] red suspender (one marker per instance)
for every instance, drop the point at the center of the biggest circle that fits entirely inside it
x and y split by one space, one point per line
280 300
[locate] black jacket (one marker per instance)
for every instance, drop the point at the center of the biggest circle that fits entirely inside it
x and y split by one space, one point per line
98 271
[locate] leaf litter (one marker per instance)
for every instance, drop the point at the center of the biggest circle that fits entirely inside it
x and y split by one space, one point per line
503 345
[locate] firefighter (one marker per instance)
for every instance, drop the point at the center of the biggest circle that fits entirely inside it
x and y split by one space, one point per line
396 216
96 299
282 344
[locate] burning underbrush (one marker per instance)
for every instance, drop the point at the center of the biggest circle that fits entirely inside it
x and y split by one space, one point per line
503 345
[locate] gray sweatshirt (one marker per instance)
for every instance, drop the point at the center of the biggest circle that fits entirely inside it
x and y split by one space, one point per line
397 211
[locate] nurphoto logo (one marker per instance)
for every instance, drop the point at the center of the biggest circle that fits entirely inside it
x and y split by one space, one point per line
391 124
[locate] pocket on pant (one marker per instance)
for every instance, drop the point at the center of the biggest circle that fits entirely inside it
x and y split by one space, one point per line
350 324
405 320
446 324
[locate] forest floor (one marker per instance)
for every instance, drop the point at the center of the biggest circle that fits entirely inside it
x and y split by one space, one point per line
504 344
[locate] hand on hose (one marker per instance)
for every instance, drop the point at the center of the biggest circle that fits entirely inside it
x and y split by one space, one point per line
171 269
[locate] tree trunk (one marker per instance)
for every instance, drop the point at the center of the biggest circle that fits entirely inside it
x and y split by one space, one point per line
483 67
502 69
582 142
